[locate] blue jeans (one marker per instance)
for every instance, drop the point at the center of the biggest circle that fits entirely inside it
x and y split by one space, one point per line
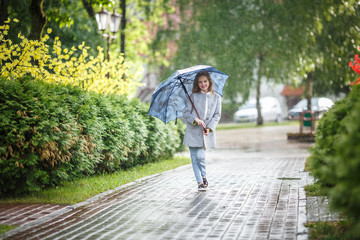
198 162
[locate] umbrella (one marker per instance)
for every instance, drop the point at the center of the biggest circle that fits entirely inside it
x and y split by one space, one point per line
168 99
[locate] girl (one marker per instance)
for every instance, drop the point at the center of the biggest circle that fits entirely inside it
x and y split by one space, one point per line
200 133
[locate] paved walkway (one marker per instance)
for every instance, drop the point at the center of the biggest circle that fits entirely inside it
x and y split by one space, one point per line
255 191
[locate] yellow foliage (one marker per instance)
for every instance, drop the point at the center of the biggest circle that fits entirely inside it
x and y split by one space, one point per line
74 67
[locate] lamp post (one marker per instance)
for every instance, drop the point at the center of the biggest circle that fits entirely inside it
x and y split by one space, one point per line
108 23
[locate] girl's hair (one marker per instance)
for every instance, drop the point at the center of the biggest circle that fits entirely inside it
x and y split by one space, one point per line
196 88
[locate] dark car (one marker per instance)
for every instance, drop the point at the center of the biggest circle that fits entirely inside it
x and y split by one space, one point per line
318 105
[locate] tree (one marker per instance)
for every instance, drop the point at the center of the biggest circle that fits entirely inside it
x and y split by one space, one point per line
123 26
38 19
74 21
336 43
3 11
89 8
240 38
282 40
333 40
68 19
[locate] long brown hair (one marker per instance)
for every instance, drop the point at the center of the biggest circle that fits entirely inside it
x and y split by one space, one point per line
196 88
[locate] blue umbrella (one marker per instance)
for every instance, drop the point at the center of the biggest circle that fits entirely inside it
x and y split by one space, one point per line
168 99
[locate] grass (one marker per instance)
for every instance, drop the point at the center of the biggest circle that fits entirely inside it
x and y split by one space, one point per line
307 165
313 190
231 126
338 230
5 228
81 189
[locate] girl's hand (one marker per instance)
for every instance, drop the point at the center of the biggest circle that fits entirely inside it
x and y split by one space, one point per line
206 131
200 122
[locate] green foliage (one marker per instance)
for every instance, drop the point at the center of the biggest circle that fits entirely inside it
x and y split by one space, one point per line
74 21
68 19
313 190
335 157
330 230
346 192
54 133
291 38
328 132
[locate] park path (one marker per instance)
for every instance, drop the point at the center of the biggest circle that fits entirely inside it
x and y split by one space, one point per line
256 191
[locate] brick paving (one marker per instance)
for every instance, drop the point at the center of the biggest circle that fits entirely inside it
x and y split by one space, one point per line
255 192
318 210
19 214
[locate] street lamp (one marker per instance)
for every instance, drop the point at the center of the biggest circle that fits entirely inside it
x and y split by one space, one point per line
108 22
114 23
102 19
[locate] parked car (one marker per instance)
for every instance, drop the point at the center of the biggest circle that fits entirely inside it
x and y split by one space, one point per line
270 110
318 105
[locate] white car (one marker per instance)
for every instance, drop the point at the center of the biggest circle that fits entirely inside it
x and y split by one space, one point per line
318 105
270 110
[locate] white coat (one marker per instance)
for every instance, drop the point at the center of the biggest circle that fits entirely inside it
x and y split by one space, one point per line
194 136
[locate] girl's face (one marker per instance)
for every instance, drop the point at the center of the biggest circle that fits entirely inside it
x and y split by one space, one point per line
203 83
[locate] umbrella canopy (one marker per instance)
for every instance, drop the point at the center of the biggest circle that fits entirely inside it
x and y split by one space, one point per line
168 99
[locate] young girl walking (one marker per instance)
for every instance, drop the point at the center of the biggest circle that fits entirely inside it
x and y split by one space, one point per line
200 132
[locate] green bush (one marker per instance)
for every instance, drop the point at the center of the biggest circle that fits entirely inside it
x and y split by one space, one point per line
39 133
345 194
335 157
330 129
53 133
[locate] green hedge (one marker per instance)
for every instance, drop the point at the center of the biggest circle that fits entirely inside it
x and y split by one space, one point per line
53 133
329 131
335 157
345 194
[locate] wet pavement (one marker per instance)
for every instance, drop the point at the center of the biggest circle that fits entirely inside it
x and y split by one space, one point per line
256 191
20 214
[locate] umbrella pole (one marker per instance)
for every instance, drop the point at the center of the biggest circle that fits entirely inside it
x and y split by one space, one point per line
187 94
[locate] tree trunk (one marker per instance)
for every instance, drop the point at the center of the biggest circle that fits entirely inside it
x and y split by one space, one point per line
89 8
3 11
309 89
123 26
260 120
38 19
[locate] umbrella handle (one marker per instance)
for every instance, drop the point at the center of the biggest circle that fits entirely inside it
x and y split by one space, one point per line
187 94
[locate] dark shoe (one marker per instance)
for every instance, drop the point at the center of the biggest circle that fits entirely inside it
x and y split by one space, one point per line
205 182
201 187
